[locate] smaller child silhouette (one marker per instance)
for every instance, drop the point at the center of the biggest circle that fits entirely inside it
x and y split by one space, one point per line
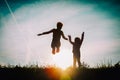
76 49
57 33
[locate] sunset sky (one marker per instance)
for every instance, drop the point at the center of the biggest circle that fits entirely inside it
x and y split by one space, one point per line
22 20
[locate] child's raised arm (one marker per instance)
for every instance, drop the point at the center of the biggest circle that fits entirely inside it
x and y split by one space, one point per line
82 37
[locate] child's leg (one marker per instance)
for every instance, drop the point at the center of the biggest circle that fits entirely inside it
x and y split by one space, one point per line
79 63
53 47
53 50
58 46
58 49
74 62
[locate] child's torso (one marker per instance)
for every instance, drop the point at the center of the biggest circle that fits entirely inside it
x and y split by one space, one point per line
76 48
57 34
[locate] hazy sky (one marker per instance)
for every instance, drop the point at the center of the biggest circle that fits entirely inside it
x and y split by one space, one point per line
22 20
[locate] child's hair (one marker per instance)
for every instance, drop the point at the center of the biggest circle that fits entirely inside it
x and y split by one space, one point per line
77 40
59 25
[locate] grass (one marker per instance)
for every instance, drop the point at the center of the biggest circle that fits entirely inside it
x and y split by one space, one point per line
54 73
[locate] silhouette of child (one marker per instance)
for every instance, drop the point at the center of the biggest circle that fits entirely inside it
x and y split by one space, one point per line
76 49
57 33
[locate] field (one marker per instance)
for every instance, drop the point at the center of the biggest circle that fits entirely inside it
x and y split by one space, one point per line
55 73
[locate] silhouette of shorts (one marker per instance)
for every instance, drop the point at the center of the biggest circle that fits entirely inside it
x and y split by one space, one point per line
55 44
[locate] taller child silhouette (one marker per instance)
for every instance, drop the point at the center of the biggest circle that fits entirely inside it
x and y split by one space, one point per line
57 33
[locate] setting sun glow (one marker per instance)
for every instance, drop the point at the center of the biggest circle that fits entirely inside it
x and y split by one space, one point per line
63 59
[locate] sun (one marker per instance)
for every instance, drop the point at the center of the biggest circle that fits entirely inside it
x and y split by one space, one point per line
63 59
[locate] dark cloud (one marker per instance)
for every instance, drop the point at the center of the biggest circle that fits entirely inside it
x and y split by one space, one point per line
109 7
14 4
17 2
114 2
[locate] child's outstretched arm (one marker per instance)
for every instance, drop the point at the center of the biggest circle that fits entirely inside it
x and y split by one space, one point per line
70 39
47 32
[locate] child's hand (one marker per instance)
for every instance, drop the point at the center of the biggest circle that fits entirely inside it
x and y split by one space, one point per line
83 33
39 34
69 36
66 38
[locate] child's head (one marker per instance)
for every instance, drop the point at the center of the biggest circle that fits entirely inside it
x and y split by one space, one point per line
77 40
59 25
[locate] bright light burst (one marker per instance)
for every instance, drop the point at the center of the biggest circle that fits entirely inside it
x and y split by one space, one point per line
63 59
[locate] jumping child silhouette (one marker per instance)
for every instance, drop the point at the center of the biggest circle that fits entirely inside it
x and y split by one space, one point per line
57 33
76 49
